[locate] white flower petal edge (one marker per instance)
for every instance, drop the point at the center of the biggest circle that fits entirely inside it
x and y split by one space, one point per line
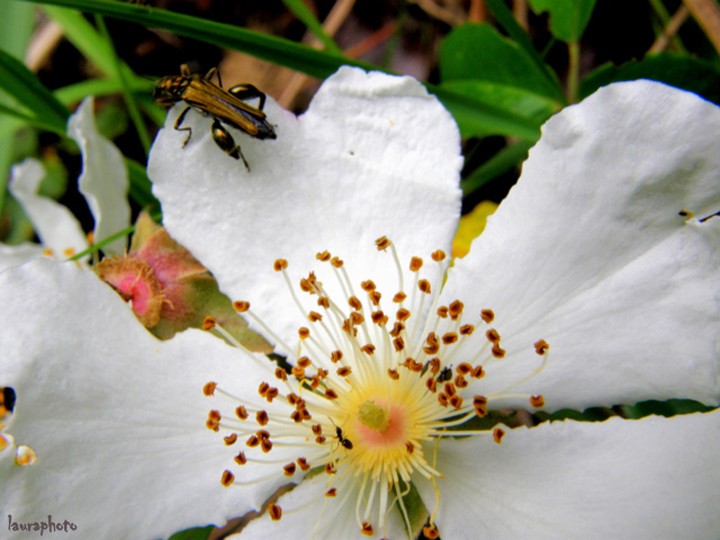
104 178
650 478
14 255
55 225
374 155
308 513
589 252
116 417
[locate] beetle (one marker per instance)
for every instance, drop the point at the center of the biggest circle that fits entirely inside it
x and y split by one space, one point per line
223 106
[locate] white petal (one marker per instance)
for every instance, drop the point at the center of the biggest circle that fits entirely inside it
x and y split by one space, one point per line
651 478
589 253
55 225
308 513
14 255
116 417
374 155
104 179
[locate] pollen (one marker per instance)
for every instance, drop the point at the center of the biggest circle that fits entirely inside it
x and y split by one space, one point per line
373 382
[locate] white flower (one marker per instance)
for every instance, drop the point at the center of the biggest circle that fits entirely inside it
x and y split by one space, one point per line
103 182
587 254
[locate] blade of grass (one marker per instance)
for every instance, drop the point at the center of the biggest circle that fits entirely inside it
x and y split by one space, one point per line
25 88
301 11
119 70
283 52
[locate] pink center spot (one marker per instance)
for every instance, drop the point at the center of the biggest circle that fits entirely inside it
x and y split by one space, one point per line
393 435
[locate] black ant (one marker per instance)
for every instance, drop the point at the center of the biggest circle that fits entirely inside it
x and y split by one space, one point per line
346 443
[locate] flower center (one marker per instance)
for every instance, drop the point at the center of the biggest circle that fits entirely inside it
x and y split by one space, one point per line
369 395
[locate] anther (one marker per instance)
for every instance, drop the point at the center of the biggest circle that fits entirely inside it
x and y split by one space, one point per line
337 262
431 532
480 405
209 388
410 447
399 344
416 264
537 401
379 318
289 469
240 458
498 351
332 492
331 394
241 412
314 316
303 333
478 372
336 356
467 329
230 439
368 285
304 362
344 371
253 441
262 418
368 349
449 338
323 302
275 512
241 306
303 464
366 529
402 314
355 303
279 265
330 468
541 347
442 312
492 336
382 243
498 434
393 374
213 420
438 255
487 315
281 374
209 323
227 478
399 297
323 256
263 388
456 309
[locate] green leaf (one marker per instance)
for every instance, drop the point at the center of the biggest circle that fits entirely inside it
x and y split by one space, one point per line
30 94
506 19
568 18
503 161
684 72
479 52
668 408
200 533
520 104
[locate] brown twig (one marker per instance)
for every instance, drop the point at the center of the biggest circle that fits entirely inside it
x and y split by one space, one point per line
671 28
707 14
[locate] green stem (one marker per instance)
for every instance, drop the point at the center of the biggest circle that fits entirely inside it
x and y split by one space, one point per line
120 73
573 77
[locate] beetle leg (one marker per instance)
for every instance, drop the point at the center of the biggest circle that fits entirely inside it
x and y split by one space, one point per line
179 122
224 140
248 91
214 73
